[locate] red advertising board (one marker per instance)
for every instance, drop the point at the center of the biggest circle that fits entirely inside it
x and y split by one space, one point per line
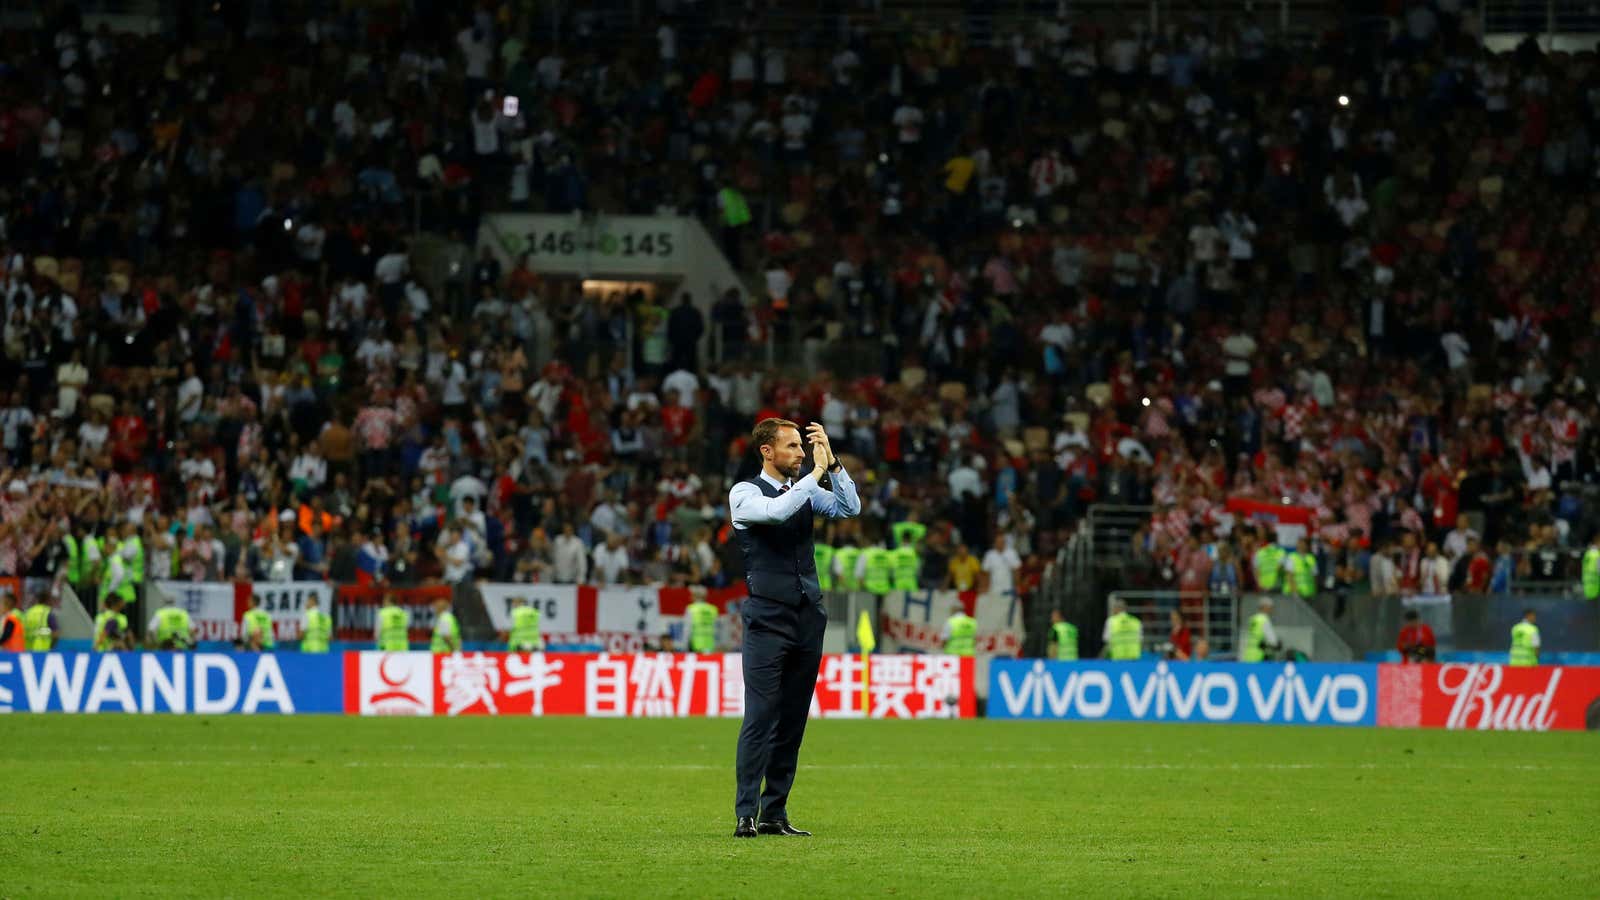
1489 697
641 685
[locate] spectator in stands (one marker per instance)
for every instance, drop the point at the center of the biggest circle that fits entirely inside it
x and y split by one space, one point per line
1416 642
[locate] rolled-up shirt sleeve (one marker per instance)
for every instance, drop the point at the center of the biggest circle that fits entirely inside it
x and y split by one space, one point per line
747 505
843 502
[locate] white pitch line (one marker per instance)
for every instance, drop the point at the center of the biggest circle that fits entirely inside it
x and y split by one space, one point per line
846 767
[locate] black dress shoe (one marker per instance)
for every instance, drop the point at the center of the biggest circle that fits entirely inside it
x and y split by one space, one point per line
746 827
781 826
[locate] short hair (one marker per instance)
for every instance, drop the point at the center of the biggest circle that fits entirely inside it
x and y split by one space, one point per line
766 431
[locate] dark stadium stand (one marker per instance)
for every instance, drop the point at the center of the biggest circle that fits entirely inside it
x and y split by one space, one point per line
1020 265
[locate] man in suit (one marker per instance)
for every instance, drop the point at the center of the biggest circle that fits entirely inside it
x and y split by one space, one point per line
783 616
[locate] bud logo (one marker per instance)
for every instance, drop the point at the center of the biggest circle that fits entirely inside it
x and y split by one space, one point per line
396 684
1225 692
1479 703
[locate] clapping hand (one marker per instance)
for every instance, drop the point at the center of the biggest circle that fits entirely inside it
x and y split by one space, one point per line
821 451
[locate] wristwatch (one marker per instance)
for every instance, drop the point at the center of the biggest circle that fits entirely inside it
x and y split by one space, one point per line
835 466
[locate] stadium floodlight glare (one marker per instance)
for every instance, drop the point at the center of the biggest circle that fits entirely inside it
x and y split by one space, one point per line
1344 99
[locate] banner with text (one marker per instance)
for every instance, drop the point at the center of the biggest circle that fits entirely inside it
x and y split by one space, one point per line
215 607
911 621
1489 697
1290 693
640 685
615 619
171 683
355 617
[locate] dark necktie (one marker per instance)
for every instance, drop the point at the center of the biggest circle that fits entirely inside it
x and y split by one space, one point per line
783 490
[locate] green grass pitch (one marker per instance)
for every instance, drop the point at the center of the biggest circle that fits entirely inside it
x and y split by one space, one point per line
188 806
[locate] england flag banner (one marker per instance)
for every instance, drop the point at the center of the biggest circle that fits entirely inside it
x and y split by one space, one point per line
614 619
215 607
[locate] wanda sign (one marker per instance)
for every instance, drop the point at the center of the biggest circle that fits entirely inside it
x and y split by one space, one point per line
1489 697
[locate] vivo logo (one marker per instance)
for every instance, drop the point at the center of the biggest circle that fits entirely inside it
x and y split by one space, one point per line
1183 694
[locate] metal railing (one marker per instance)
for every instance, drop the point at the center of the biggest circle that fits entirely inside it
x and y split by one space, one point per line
1212 618
1111 528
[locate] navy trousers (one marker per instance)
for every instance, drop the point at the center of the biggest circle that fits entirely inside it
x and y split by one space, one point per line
782 650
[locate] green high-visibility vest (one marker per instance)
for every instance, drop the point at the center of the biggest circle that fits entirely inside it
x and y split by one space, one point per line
102 641
318 632
735 211
963 639
1066 635
258 620
445 627
125 589
76 560
906 564
879 576
702 627
1269 566
36 627
172 624
393 625
846 558
1127 637
824 557
136 562
1591 573
1254 649
1303 566
1523 637
524 629
908 533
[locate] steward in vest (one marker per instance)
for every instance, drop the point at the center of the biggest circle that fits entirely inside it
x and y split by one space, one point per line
40 624
1268 565
877 570
1260 640
524 635
117 579
446 630
845 560
824 558
906 563
394 626
1123 634
1063 637
255 628
1302 566
700 625
316 630
1591 569
76 563
960 632
735 211
132 550
1525 641
13 633
111 627
908 533
171 628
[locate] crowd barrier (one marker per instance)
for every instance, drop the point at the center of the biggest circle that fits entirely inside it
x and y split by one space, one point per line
1453 695
419 683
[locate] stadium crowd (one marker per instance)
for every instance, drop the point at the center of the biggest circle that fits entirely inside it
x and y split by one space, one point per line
1085 265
